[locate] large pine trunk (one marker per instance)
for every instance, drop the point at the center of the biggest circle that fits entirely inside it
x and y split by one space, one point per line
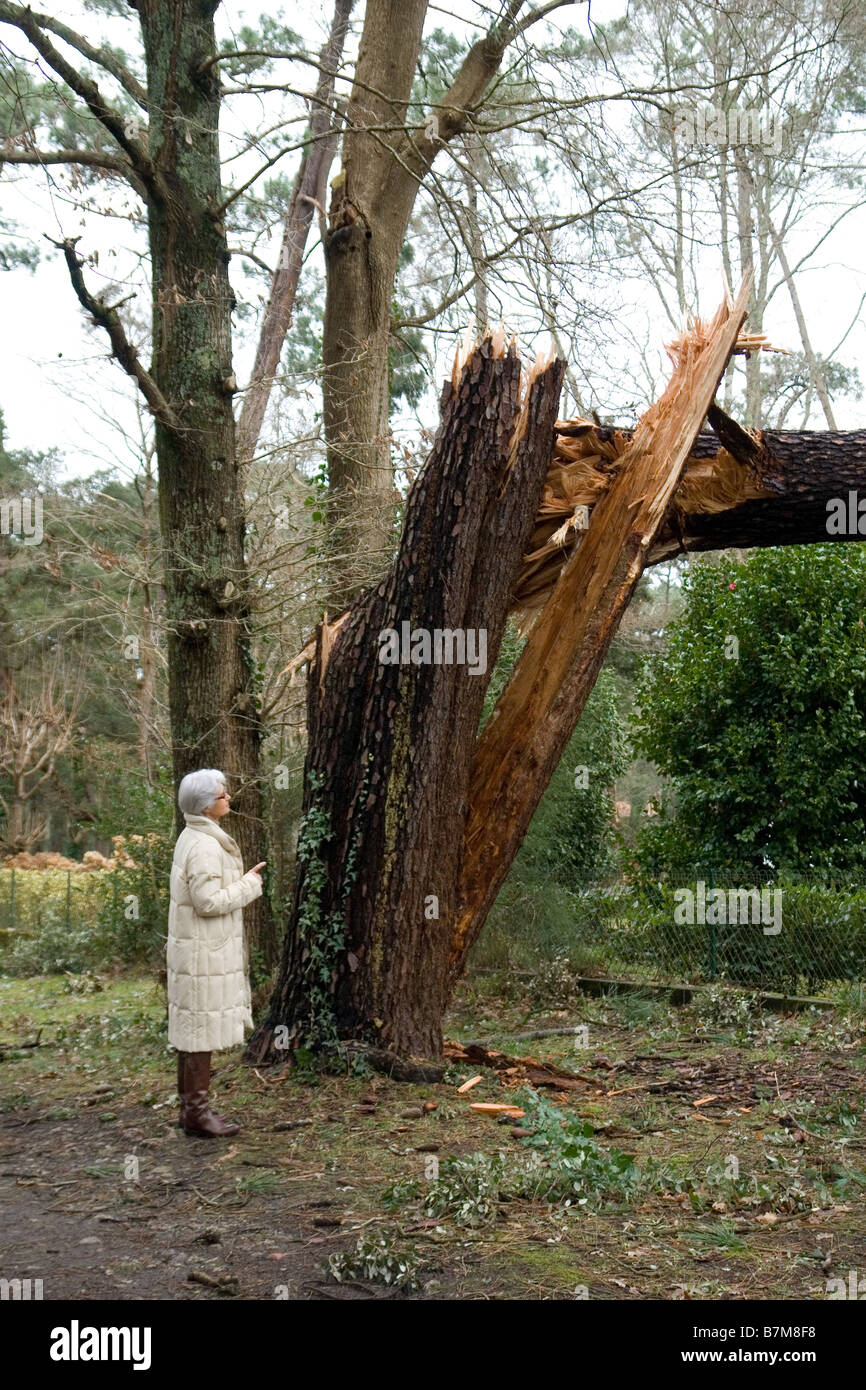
387 779
214 721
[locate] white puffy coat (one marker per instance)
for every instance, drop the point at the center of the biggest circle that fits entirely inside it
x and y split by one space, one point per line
206 957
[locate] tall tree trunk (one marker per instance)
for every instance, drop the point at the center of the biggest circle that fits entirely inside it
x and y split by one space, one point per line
368 218
214 717
815 371
746 210
307 193
145 707
387 776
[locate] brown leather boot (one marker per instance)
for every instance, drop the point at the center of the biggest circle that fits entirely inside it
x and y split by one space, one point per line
181 1087
199 1119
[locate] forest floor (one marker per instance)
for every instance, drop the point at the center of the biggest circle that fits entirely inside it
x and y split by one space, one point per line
704 1152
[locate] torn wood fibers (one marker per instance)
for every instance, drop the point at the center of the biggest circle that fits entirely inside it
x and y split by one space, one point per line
522 743
587 457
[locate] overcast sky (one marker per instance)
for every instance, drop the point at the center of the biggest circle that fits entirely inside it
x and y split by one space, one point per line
59 391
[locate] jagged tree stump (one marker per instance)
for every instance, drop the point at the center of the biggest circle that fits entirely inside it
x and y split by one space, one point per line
367 951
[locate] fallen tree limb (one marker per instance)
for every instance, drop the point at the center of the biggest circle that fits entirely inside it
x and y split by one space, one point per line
737 489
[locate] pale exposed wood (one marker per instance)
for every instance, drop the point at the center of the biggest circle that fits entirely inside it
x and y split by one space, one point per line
537 713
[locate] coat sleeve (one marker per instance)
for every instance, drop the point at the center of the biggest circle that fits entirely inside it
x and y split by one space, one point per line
204 877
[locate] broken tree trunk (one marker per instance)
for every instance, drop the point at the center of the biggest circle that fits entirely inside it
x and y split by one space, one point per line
390 742
411 819
535 717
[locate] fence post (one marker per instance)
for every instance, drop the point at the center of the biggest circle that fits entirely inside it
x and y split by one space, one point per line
712 926
12 900
68 891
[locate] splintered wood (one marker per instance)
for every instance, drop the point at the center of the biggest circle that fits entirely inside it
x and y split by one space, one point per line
536 714
586 459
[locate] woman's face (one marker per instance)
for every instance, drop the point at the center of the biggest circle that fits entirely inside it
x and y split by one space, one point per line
220 807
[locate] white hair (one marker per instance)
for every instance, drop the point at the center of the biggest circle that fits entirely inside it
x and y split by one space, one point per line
199 790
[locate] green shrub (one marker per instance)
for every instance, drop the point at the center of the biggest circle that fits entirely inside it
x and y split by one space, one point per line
376 1260
764 738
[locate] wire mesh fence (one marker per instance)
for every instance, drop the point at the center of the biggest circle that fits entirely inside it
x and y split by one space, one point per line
66 920
742 926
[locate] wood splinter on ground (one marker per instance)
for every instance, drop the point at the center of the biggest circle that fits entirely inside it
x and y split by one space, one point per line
513 1111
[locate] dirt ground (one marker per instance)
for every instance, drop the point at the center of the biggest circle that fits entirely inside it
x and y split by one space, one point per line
745 1131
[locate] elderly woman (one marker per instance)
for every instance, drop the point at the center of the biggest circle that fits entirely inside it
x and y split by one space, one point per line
208 988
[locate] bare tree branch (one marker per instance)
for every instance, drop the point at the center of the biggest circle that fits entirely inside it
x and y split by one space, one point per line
107 317
89 158
112 120
308 188
103 56
419 320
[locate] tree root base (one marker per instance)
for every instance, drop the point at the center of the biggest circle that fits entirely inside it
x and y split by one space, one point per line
398 1068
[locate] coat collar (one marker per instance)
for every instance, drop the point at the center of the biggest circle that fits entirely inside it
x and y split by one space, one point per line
211 827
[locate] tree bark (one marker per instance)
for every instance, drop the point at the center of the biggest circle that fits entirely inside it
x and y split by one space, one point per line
214 715
387 775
